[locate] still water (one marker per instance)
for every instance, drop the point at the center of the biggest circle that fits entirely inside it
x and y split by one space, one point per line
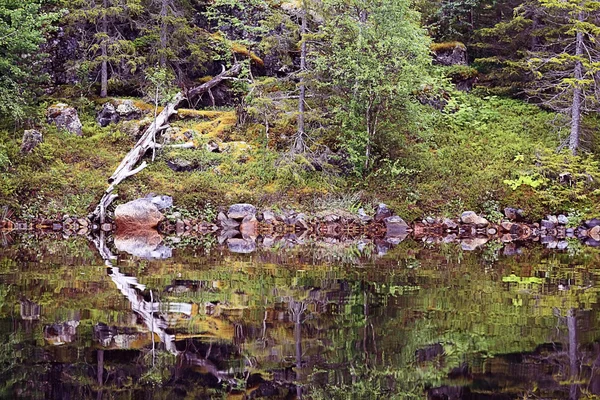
322 321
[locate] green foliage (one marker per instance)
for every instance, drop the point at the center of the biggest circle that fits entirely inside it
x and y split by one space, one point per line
23 25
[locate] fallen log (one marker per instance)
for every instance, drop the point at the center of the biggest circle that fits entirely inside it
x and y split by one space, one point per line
127 167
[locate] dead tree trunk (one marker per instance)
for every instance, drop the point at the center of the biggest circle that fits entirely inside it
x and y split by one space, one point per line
577 92
128 167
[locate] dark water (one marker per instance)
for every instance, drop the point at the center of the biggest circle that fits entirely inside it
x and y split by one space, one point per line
317 322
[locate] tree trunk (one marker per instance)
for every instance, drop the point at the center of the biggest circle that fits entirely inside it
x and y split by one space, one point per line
104 53
299 142
163 32
577 92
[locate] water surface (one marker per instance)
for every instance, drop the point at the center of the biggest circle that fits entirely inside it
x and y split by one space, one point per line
321 321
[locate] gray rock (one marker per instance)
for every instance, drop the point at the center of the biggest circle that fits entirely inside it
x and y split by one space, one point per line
430 220
471 218
562 245
451 55
382 212
449 223
362 215
108 115
180 165
241 246
563 219
213 147
31 139
590 223
162 202
594 233
137 214
227 223
239 211
396 227
552 218
513 213
58 334
65 117
269 216
547 224
127 110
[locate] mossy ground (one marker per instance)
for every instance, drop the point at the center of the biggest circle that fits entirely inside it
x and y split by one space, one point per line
480 153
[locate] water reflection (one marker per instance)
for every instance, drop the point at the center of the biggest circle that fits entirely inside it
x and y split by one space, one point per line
423 321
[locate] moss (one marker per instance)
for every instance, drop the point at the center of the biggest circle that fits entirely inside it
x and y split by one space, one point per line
238 48
447 46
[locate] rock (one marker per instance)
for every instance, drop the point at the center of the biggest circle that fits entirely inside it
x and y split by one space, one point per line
269 216
396 227
83 222
547 224
108 115
239 211
180 165
137 214
362 215
513 213
507 226
249 226
213 147
241 246
142 243
449 223
563 219
594 233
430 220
31 139
453 53
472 244
562 245
553 219
382 212
590 223
592 242
582 233
56 227
471 218
492 231
331 218
449 238
162 202
227 223
106 227
127 110
135 128
570 232
179 227
65 117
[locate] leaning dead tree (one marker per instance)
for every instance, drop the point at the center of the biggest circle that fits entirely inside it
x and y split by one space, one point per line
129 165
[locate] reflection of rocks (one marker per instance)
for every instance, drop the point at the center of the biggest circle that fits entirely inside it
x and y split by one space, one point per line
143 243
57 334
30 310
241 245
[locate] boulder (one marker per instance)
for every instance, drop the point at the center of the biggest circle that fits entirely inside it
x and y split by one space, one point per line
213 147
227 223
363 215
382 212
547 224
452 53
58 334
65 117
108 115
127 110
240 211
241 245
471 218
162 202
137 214
590 223
513 214
449 223
269 216
31 139
552 218
396 227
563 219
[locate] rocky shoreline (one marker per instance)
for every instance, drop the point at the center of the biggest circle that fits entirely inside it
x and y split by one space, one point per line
140 227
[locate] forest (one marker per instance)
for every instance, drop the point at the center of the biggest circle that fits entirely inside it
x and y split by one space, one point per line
433 106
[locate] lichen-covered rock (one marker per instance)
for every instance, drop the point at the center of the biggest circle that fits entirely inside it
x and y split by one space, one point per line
108 115
161 202
31 139
239 211
451 53
65 117
127 110
137 214
382 212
